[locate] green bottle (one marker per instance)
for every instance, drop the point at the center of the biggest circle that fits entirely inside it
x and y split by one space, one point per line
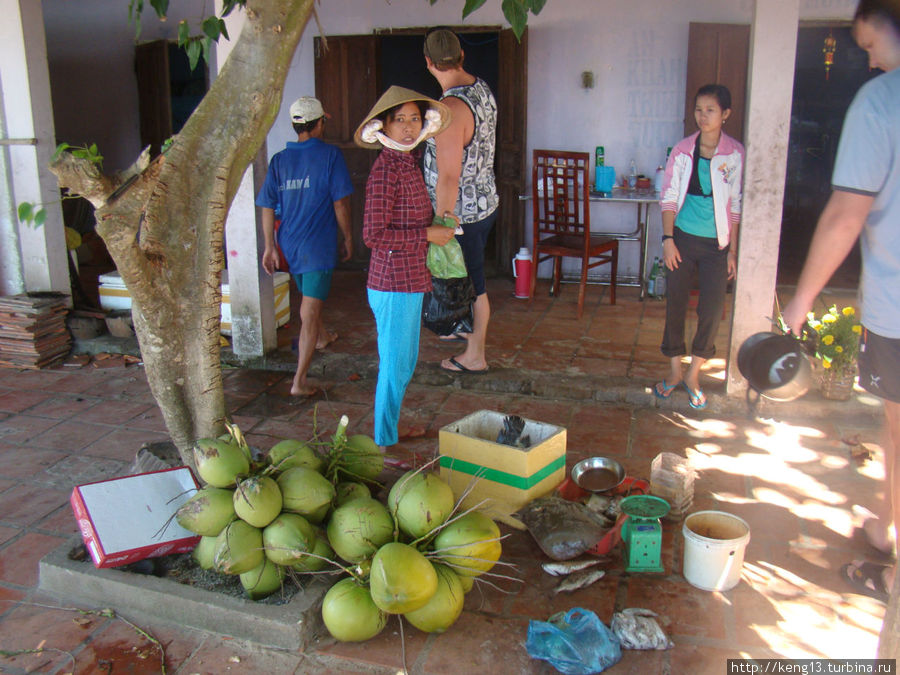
600 155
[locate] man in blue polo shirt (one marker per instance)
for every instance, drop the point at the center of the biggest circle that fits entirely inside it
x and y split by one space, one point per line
309 185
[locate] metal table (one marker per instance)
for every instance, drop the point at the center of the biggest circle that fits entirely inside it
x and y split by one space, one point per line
643 199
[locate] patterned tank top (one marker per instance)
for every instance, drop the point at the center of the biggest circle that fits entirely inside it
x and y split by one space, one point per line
477 190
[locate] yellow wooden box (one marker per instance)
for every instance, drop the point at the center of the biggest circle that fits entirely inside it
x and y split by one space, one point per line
507 477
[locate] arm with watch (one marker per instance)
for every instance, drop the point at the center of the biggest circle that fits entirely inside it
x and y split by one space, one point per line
671 256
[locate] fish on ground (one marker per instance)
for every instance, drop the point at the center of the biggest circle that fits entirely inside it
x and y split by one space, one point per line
562 569
637 628
579 580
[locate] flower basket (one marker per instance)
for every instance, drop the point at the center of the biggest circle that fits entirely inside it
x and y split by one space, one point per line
837 347
837 383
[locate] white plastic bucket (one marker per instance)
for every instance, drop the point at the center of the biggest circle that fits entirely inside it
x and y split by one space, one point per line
714 544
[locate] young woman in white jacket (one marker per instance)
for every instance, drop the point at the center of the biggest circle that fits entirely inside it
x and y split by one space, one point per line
701 211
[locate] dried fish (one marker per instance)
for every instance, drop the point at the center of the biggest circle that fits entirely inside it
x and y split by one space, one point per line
637 628
579 580
561 569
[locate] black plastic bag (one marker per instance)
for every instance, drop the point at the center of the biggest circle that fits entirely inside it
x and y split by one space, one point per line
447 309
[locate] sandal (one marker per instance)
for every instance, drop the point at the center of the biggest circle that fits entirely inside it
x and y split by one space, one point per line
666 389
697 398
867 579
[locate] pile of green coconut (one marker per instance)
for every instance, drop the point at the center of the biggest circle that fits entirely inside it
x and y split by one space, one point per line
307 508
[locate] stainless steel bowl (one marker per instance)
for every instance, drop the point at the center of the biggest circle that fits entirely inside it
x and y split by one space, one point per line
581 475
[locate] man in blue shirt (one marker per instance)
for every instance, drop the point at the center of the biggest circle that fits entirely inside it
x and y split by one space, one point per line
309 185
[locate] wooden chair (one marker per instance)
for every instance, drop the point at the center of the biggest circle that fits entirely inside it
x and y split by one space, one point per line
562 220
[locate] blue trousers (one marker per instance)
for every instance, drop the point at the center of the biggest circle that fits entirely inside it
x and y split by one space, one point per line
398 319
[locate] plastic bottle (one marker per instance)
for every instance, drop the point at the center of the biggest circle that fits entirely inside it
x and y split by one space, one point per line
651 278
659 283
600 156
658 181
632 177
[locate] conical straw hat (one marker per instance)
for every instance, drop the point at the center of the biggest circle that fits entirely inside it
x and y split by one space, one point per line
395 96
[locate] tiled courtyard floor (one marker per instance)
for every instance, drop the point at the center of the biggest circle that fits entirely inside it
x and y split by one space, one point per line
790 476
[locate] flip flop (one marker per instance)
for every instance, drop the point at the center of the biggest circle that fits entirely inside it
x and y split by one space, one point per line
667 389
460 368
867 578
697 396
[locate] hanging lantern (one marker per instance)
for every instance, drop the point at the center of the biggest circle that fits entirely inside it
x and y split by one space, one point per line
828 50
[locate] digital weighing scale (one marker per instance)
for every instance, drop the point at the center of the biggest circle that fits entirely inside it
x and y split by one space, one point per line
642 532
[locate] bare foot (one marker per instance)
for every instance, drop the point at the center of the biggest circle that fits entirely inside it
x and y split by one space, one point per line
304 390
878 536
326 337
457 365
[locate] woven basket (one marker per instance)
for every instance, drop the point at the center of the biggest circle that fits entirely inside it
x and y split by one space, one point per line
837 383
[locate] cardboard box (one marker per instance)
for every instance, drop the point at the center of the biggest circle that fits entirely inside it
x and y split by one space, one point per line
123 520
114 295
509 477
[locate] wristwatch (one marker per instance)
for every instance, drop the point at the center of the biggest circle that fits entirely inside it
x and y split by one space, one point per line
667 236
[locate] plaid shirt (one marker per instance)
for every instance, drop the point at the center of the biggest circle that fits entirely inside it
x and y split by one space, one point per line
397 212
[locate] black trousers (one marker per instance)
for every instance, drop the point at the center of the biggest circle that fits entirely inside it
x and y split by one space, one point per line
703 256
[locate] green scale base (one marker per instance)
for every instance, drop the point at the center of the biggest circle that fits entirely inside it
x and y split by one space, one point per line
642 532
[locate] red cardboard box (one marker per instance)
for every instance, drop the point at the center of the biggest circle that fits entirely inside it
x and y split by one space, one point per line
123 520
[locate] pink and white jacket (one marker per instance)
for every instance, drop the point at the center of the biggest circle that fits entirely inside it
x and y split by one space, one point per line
726 171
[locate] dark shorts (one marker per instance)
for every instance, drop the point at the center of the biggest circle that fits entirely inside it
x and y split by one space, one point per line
314 284
879 365
473 240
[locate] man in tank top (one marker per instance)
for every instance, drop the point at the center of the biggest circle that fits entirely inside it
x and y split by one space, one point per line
459 175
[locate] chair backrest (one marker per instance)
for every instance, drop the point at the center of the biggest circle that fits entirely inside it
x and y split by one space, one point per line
560 190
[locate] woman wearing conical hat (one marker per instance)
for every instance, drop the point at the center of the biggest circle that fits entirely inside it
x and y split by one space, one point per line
397 227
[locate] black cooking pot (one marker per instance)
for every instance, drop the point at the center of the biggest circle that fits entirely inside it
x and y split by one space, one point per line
777 366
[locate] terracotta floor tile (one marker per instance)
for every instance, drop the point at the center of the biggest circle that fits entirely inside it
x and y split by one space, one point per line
19 559
60 522
602 367
7 533
683 609
17 401
87 468
28 626
69 436
495 637
22 428
383 651
27 504
64 407
25 462
115 412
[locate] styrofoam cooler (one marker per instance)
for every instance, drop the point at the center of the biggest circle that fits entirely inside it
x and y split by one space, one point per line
114 295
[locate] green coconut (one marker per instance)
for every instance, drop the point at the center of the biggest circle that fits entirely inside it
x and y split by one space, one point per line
466 581
263 580
349 613
420 502
347 490
207 512
306 492
239 548
219 463
361 458
470 545
356 529
401 579
204 553
314 563
257 500
289 453
287 538
444 607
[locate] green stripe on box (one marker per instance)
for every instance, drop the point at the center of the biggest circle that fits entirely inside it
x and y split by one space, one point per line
502 477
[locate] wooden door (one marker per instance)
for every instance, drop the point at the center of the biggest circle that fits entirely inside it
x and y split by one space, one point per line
347 84
151 67
510 160
718 53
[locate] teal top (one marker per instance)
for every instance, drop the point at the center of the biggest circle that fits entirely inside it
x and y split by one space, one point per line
697 215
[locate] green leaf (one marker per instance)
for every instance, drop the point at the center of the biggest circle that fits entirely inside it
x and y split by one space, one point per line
161 7
229 5
211 27
194 51
205 43
536 6
517 15
223 29
471 6
135 9
184 33
60 149
26 212
40 217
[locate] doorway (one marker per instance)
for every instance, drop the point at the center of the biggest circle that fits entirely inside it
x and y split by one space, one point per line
820 103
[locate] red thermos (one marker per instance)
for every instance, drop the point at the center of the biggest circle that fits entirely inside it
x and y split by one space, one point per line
522 272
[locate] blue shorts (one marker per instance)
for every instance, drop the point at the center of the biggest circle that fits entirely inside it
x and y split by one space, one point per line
472 241
879 365
314 284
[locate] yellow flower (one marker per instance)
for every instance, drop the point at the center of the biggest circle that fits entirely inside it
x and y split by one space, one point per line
829 318
828 339
857 329
838 349
826 363
848 311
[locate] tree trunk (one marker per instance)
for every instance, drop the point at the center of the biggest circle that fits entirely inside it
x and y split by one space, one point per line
164 229
889 640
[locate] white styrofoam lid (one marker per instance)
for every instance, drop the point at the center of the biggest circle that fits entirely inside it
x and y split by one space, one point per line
111 278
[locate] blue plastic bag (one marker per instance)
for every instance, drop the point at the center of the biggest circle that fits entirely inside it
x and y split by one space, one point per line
575 642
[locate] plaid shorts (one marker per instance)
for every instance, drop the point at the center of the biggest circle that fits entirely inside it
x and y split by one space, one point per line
879 365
